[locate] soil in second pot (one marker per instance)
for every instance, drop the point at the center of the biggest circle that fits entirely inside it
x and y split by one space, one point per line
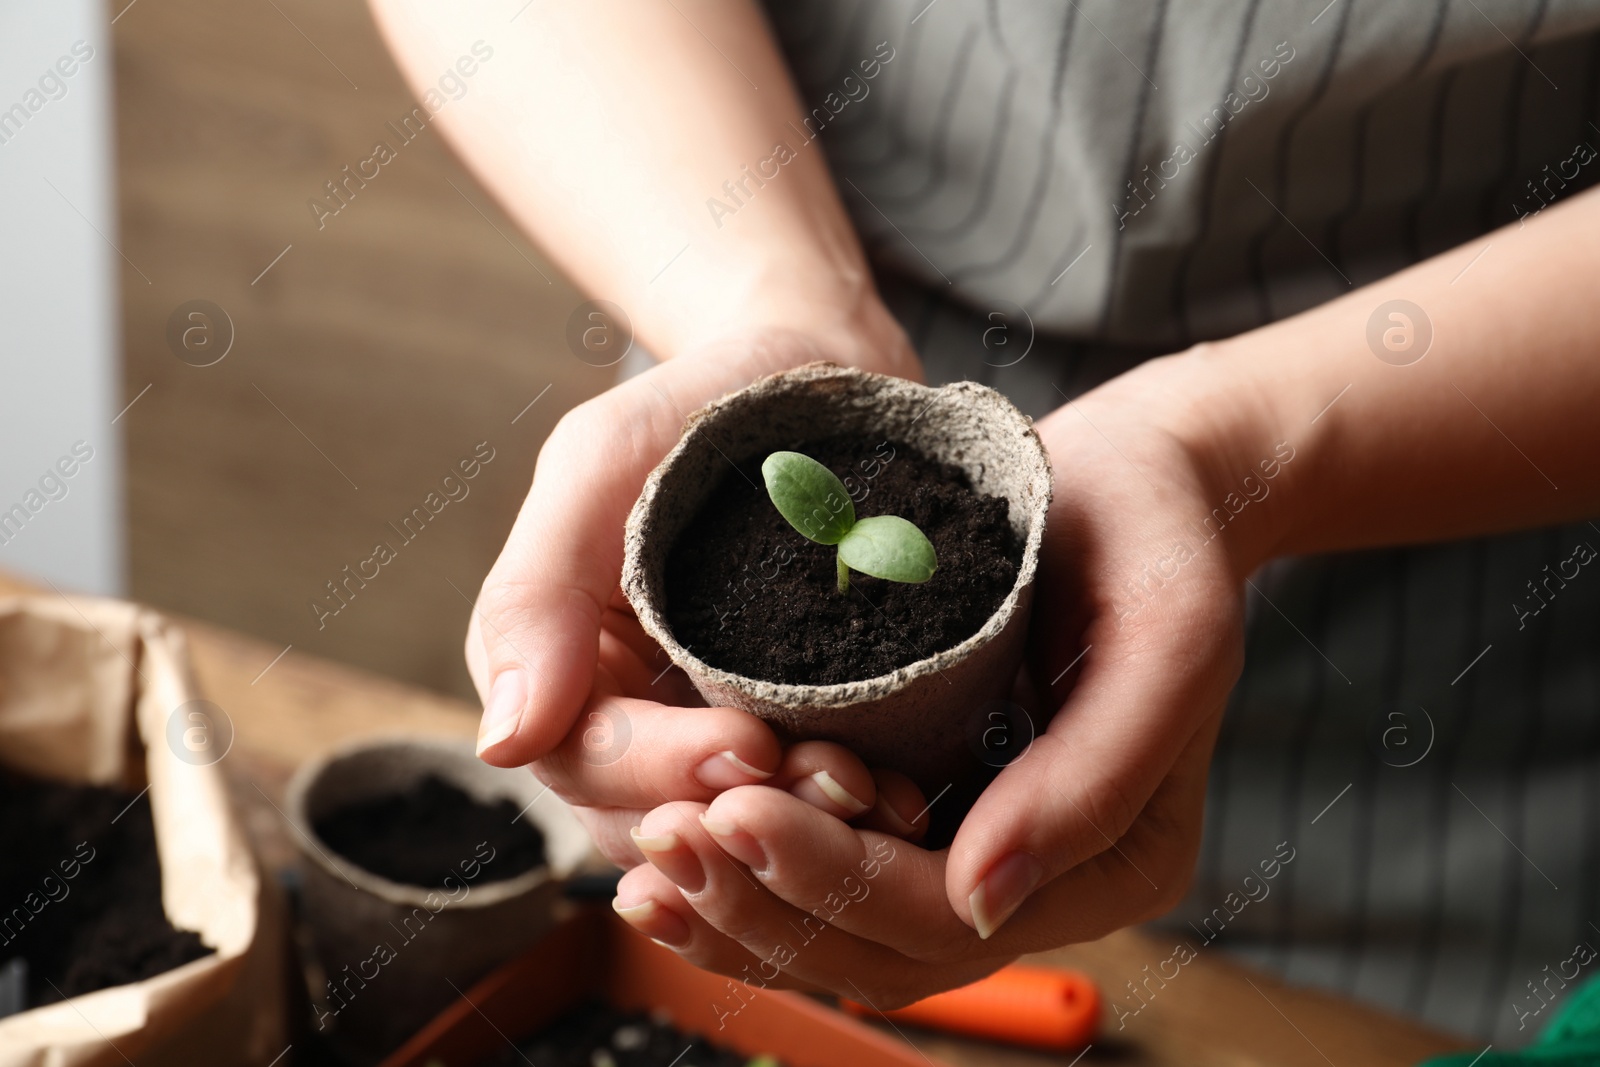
422 835
80 889
747 593
598 1035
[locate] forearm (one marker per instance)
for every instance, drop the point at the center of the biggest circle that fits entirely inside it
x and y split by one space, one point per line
1495 428
605 128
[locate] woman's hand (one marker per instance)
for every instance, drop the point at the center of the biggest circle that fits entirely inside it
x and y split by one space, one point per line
1097 825
570 682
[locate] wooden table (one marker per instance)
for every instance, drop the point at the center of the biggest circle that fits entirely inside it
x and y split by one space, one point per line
1215 1014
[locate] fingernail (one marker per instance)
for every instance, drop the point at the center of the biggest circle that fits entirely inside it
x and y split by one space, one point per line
838 793
662 925
894 820
726 770
502 712
672 858
1002 892
738 843
664 843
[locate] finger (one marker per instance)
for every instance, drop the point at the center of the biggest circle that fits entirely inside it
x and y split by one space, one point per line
610 830
1140 879
864 883
639 664
1139 693
1080 787
900 809
649 903
730 898
631 672
827 776
624 752
477 654
623 624
541 605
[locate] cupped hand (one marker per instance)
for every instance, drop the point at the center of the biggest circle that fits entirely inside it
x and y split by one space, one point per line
1137 640
644 738
570 682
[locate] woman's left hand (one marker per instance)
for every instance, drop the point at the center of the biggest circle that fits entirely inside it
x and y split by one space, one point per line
1095 827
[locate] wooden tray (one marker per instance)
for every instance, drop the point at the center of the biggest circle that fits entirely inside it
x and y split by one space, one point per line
596 953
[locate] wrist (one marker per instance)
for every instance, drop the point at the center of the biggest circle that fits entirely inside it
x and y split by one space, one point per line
1251 463
844 325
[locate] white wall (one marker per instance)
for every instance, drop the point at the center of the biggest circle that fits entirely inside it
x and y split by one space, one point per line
59 323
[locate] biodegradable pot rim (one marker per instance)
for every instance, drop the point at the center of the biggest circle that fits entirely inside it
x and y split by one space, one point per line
325 856
637 586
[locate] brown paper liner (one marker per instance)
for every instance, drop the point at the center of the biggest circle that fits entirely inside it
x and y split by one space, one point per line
86 691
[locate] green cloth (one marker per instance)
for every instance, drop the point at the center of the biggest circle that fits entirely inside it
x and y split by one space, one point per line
1571 1040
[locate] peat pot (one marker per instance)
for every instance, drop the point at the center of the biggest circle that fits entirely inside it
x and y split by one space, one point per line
392 950
927 719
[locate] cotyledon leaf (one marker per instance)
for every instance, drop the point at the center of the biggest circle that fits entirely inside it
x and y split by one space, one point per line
809 496
887 546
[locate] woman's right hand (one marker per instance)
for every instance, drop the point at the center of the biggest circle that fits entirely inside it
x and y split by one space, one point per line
571 683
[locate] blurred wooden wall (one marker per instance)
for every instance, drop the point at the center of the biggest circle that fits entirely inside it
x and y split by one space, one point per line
367 361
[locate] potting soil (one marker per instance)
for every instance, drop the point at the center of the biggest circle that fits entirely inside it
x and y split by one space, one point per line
80 889
748 593
425 834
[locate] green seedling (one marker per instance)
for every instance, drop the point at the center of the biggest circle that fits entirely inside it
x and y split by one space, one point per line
816 503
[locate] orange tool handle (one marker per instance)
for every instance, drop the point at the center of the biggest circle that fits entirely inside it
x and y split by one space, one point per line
1036 1006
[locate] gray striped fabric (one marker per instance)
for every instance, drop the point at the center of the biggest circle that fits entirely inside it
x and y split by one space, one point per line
1058 190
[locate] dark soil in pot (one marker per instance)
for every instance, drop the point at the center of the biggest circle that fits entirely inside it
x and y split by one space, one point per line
80 889
598 1035
745 592
420 836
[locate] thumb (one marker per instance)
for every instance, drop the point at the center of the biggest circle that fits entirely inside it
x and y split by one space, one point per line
534 640
1084 782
